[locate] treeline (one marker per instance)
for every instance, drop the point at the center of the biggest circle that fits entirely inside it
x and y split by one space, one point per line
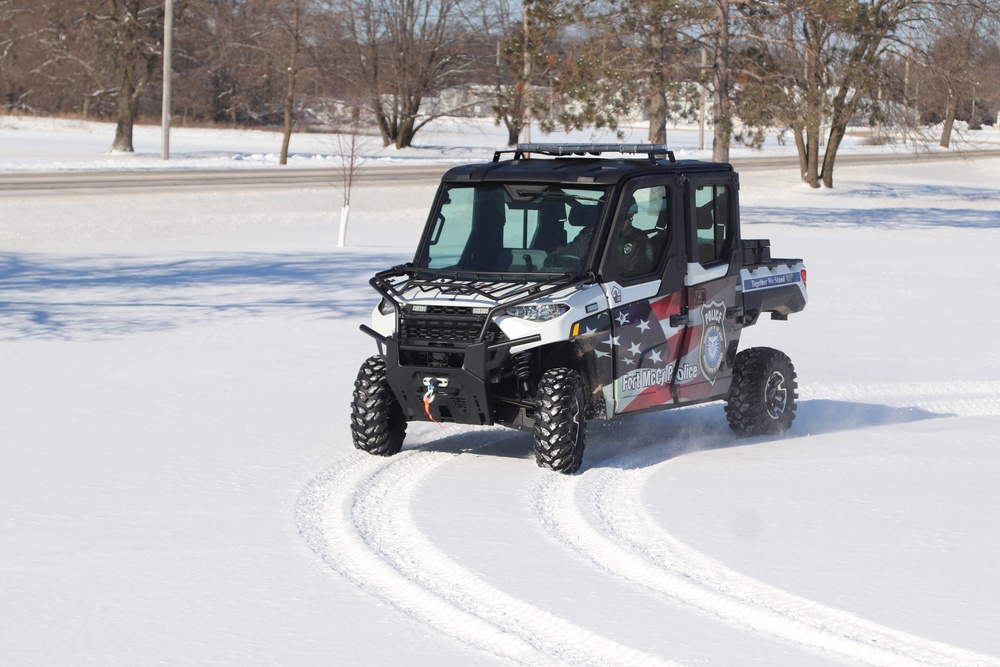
811 67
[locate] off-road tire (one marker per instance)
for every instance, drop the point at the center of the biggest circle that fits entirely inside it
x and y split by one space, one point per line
378 425
762 396
560 421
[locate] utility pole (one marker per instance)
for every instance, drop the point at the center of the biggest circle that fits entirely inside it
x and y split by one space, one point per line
168 46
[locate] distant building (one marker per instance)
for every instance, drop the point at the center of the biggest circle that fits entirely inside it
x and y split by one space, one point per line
469 100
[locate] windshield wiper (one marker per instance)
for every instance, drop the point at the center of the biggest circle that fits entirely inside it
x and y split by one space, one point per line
555 195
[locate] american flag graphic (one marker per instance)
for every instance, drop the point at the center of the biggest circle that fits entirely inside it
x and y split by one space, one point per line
643 355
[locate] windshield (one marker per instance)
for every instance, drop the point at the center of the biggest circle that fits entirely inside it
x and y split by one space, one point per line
521 229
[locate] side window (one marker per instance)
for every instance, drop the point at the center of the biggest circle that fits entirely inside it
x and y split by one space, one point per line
452 229
714 232
644 233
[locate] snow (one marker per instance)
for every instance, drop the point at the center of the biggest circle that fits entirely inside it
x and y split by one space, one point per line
178 486
51 144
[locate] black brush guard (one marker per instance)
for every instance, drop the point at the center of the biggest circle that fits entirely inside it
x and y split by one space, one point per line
457 354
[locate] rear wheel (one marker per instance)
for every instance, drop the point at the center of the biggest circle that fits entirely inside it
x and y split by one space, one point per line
560 421
762 396
378 425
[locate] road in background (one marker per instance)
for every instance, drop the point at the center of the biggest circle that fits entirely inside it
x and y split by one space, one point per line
66 182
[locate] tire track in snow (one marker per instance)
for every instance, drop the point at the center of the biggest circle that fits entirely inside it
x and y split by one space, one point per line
629 544
357 517
626 541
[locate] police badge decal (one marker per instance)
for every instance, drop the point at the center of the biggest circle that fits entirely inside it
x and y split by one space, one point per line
713 339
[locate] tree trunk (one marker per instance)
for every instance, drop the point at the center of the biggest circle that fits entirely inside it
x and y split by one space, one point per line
123 133
949 121
510 110
800 148
133 70
289 117
844 105
385 127
812 155
837 133
128 96
659 40
721 115
128 105
407 125
658 117
811 116
404 138
290 93
513 131
807 134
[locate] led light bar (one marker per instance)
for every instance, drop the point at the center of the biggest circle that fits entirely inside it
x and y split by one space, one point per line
594 149
556 150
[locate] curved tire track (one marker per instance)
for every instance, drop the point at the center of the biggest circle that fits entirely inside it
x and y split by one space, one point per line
356 516
623 539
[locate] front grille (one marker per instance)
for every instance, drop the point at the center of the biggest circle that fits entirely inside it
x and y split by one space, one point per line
441 327
446 326
431 332
448 310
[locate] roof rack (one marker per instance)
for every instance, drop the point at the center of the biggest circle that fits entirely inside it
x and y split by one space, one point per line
650 150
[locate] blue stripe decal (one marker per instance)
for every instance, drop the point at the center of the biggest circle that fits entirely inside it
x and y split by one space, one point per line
771 281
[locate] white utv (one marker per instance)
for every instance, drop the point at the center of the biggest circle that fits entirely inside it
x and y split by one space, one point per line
558 286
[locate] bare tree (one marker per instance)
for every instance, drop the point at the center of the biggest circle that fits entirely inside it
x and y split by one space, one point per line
293 35
7 31
406 51
107 50
14 30
352 146
825 60
133 31
957 61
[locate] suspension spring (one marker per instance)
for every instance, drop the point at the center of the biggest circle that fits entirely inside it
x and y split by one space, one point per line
522 366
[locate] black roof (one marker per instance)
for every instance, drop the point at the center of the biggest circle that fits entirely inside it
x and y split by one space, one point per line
575 170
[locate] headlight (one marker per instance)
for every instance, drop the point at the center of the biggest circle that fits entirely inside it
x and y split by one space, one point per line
541 312
386 307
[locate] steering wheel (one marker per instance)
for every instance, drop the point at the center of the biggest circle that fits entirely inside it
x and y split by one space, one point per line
563 261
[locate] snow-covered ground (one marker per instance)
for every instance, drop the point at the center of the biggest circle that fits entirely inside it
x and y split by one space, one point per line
48 144
178 486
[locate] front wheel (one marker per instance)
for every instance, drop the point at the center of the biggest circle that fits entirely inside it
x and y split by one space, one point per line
762 396
560 421
378 425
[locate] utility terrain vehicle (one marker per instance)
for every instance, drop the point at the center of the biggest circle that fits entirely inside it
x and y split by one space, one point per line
553 285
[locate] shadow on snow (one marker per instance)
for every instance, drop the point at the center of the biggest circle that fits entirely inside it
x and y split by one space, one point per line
640 441
874 218
48 296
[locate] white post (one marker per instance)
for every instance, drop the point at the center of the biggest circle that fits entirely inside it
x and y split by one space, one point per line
344 212
168 45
